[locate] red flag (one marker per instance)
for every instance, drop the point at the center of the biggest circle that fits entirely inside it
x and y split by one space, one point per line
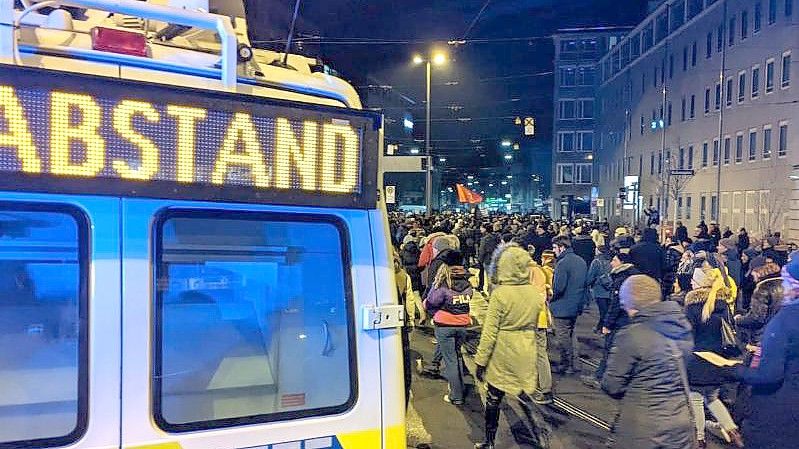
466 195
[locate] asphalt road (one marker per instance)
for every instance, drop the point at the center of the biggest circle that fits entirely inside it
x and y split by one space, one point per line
578 420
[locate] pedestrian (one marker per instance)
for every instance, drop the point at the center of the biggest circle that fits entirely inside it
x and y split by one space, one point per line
702 241
616 318
728 251
488 244
583 244
727 233
541 241
743 240
715 233
506 356
599 291
681 232
647 255
646 372
448 303
443 246
543 392
774 375
765 302
568 300
707 310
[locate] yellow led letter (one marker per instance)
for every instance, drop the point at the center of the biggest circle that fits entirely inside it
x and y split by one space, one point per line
123 124
289 153
187 118
343 159
63 133
241 148
18 133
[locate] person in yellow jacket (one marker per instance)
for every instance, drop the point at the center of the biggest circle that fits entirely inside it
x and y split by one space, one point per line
538 279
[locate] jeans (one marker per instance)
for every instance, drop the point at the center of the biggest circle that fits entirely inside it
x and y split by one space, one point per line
701 396
603 363
564 341
450 340
542 362
603 304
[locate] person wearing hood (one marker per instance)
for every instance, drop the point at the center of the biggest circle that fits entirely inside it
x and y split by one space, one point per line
646 373
448 303
409 253
774 374
568 299
506 356
681 233
647 255
443 246
750 260
540 241
706 307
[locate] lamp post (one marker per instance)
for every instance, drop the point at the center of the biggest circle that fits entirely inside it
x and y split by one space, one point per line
437 59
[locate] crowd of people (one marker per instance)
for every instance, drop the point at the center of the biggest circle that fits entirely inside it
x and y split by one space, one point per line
701 332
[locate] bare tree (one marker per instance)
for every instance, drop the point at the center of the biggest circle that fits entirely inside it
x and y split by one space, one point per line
775 205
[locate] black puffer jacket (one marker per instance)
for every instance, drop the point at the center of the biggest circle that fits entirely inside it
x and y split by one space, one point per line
707 336
643 371
766 302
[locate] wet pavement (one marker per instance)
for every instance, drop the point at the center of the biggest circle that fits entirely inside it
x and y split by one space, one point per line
578 419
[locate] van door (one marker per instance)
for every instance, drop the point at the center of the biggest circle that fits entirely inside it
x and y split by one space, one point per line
242 330
59 321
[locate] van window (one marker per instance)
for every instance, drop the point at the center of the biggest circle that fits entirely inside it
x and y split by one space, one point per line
253 319
43 319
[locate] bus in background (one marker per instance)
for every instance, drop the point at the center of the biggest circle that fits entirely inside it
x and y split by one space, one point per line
193 251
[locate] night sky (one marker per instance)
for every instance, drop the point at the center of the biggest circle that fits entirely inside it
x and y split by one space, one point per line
486 81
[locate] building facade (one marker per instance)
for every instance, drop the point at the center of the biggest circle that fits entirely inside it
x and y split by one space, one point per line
697 111
576 54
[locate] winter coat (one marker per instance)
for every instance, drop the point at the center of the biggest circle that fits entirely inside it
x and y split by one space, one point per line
774 421
681 234
734 265
409 253
507 345
766 302
600 267
488 244
584 246
648 256
450 305
707 336
616 317
743 242
568 285
643 371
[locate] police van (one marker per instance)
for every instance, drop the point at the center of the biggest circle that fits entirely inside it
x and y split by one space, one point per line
193 251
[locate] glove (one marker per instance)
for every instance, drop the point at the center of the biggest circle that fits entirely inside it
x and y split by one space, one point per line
480 373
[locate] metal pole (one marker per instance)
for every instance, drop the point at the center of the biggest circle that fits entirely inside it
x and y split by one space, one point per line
664 177
722 105
625 165
428 183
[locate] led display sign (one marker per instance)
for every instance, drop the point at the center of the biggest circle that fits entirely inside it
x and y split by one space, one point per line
79 134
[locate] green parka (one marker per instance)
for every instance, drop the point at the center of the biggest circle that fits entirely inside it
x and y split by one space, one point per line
507 345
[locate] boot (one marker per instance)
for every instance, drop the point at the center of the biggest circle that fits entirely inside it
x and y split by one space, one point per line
492 423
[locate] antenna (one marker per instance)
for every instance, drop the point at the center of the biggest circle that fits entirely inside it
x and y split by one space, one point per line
291 32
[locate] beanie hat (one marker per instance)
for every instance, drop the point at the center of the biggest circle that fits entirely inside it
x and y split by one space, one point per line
751 253
452 258
620 231
640 291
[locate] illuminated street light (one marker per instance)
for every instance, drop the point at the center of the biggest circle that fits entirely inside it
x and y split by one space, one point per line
504 183
510 176
507 195
470 177
439 58
506 143
442 159
414 151
491 185
516 146
418 59
508 157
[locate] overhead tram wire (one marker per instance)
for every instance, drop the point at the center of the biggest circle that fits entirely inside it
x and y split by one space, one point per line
380 41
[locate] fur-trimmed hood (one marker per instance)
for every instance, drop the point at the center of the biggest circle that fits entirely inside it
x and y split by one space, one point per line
701 295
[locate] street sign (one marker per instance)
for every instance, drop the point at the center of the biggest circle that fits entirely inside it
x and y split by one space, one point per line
681 172
529 126
391 194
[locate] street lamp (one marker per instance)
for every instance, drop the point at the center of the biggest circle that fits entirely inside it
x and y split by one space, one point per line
436 58
508 157
506 143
